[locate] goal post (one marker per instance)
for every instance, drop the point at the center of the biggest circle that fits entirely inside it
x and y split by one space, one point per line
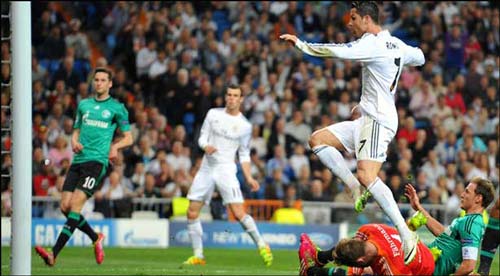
21 137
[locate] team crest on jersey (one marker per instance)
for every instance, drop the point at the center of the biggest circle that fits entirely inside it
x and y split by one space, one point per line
105 113
235 128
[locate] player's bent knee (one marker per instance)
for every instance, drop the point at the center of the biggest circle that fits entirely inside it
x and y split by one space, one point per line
65 208
192 214
314 140
240 215
366 177
321 137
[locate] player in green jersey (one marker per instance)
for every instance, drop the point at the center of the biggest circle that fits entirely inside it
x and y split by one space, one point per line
460 241
96 121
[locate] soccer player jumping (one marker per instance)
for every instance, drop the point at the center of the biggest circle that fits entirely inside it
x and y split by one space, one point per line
382 57
95 124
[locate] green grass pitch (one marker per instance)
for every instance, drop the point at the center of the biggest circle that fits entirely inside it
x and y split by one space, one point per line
127 261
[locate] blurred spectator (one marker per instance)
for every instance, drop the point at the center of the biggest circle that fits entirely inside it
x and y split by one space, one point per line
257 142
60 152
113 188
455 43
477 143
7 201
423 101
279 160
278 137
53 47
453 203
139 176
41 140
165 175
177 159
452 177
44 179
298 129
453 99
316 191
155 165
396 188
78 40
432 168
257 103
149 190
408 132
298 159
420 148
276 184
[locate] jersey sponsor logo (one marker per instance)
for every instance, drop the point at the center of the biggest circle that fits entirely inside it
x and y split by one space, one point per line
95 123
97 107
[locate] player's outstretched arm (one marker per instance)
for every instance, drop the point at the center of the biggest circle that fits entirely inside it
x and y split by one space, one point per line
359 50
432 224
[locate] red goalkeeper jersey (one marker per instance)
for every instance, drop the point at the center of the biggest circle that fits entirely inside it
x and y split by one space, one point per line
390 260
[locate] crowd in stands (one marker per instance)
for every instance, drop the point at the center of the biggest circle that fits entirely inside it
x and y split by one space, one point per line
173 61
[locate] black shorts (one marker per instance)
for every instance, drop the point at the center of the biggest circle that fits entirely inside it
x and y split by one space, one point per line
86 177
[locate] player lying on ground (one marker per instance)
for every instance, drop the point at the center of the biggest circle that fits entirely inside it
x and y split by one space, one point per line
375 249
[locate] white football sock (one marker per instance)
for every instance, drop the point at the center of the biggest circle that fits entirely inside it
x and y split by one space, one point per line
250 227
385 199
196 233
334 160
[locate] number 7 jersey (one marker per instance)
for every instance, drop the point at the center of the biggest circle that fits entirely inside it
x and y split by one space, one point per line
382 57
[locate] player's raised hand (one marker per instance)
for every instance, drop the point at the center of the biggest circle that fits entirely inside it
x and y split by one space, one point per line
289 37
254 184
412 195
210 149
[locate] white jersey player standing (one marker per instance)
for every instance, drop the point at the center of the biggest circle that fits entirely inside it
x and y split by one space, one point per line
224 132
382 57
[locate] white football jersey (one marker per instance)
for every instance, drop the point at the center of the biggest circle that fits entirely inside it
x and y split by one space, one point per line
382 57
228 134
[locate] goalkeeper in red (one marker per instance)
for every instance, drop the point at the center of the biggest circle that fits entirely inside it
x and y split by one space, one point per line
374 250
96 121
382 57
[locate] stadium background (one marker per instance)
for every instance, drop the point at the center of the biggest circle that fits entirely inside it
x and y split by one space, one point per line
172 61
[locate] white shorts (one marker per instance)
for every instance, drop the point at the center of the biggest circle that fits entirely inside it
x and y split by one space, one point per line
224 179
365 137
